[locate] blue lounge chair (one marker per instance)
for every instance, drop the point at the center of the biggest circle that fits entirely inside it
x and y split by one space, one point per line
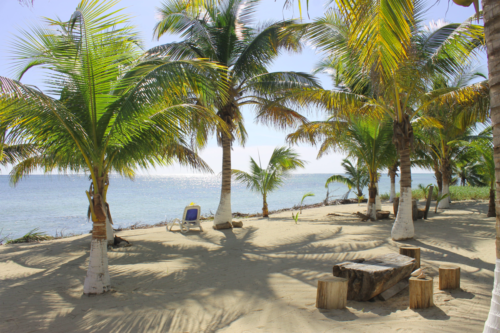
190 219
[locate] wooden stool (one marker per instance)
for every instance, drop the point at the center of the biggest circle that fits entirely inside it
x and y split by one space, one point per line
421 293
332 293
449 277
413 252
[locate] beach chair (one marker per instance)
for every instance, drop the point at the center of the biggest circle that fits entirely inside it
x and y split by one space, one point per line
190 219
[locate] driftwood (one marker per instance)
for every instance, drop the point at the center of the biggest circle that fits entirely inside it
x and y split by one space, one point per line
237 224
372 277
226 225
363 216
401 285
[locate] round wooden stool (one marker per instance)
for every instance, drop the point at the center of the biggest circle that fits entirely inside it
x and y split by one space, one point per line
332 293
449 277
421 293
412 252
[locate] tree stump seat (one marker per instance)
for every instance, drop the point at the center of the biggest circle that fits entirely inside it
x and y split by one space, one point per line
331 293
449 277
413 252
421 293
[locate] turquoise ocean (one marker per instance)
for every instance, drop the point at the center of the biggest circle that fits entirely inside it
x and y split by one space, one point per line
58 203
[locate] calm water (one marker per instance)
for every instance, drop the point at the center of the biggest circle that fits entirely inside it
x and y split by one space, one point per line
55 203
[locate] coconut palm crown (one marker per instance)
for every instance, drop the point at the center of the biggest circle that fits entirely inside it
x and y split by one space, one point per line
223 31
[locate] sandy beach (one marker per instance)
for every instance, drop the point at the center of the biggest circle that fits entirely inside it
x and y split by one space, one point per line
261 278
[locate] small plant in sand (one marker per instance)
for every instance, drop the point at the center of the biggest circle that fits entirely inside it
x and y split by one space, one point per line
296 216
32 236
439 198
360 199
424 189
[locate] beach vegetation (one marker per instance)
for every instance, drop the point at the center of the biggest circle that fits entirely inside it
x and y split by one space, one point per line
225 32
265 180
32 236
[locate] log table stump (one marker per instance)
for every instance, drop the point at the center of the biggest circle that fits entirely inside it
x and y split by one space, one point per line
413 252
332 293
421 293
369 278
449 277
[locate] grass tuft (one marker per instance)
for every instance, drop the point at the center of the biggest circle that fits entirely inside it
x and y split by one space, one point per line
32 236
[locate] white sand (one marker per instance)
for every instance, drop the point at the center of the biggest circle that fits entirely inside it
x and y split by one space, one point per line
261 278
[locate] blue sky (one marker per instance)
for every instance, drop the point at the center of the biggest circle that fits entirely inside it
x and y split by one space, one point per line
262 140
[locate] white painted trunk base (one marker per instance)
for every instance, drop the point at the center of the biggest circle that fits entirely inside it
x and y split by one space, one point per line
110 237
97 280
371 210
224 213
393 192
492 324
445 203
403 225
378 203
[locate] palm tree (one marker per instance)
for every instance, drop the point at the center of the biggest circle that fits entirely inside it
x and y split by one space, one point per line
115 111
222 31
455 118
268 179
393 67
357 177
367 140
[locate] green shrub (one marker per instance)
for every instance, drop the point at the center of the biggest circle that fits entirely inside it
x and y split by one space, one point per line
457 193
385 196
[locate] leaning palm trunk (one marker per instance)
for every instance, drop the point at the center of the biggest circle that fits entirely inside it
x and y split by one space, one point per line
403 225
97 280
491 10
224 213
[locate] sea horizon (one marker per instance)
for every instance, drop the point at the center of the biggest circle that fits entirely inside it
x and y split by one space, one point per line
57 202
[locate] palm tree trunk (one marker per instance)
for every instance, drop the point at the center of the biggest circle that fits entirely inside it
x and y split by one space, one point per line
372 194
265 211
224 213
97 280
378 202
392 175
491 10
403 225
445 172
491 207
